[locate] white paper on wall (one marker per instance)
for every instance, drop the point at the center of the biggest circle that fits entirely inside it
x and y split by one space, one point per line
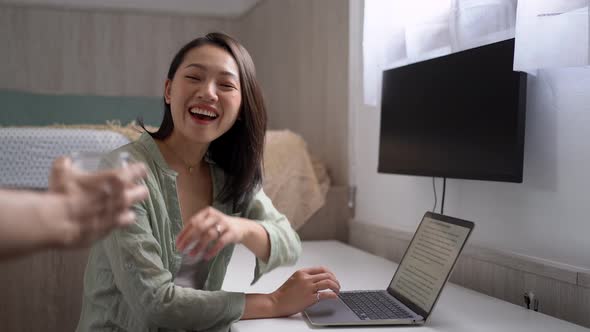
551 34
400 32
475 23
383 42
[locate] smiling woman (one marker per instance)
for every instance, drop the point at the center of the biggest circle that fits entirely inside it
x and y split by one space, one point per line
206 75
204 177
207 88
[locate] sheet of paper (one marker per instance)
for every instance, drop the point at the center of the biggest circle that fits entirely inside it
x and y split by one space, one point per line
551 34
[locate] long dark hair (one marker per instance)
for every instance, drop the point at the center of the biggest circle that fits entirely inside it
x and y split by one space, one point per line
239 151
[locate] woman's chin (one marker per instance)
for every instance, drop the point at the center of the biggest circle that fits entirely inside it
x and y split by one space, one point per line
202 137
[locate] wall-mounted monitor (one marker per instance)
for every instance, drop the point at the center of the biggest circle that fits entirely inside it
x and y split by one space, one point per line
456 116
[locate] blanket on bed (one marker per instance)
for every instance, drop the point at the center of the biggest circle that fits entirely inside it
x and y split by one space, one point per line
295 181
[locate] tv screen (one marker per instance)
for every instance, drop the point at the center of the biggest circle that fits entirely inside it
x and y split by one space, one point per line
457 116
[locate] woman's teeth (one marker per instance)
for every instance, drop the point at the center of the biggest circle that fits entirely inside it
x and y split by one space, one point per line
202 112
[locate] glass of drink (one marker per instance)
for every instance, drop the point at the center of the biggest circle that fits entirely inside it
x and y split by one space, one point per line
92 161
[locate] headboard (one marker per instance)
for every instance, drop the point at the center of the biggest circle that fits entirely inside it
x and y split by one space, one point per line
34 109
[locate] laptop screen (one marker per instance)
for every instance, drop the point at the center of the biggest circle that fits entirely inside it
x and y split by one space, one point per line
429 259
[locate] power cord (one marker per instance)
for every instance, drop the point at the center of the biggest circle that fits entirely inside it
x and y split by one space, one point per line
434 190
442 203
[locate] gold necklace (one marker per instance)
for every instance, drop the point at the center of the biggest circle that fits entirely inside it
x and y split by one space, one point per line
187 165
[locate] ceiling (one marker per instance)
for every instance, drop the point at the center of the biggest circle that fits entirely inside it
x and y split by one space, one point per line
216 8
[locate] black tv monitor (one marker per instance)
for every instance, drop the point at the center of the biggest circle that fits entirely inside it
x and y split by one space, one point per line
456 116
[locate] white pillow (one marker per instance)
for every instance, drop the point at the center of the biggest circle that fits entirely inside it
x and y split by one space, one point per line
26 154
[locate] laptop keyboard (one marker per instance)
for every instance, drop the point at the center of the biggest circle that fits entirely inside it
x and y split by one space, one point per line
373 305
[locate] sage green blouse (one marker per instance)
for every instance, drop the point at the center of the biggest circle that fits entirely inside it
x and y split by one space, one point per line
129 279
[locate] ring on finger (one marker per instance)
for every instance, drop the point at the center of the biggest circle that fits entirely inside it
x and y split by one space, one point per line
218 229
317 296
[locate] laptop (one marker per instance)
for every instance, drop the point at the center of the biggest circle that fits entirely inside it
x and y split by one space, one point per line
416 285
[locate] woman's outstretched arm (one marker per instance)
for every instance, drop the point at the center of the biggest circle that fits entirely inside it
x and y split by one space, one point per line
77 210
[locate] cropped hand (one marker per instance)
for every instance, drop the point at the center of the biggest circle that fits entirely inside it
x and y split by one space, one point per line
210 226
94 203
304 288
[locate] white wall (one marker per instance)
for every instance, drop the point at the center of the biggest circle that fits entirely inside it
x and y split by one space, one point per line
546 216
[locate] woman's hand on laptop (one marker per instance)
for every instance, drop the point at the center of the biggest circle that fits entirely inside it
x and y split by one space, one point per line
304 288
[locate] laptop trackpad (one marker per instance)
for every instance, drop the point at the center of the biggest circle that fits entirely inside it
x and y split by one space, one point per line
330 311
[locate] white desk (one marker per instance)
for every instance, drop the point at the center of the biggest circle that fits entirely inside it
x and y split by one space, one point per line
458 309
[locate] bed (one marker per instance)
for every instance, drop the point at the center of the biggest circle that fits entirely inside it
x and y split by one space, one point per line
296 184
48 286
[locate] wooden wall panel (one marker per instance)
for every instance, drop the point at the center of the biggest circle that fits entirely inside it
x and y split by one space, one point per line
331 221
92 52
300 48
44 292
560 299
